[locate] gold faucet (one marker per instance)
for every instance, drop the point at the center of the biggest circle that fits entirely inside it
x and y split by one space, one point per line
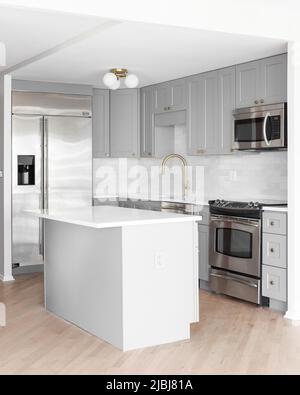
185 166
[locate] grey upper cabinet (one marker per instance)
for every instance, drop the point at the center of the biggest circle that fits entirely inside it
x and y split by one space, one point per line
147 123
170 96
212 100
124 123
262 82
226 105
101 138
248 84
274 79
203 121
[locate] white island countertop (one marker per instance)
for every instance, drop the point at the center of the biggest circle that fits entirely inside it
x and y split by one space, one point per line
280 209
112 217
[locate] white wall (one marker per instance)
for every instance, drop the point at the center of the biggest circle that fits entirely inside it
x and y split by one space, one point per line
246 176
5 182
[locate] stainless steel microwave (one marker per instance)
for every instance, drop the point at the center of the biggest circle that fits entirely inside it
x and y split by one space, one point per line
260 128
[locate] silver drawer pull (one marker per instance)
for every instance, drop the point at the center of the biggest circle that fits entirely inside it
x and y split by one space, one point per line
249 284
272 223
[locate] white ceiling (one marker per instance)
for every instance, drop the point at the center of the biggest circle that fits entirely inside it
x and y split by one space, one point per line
155 53
27 33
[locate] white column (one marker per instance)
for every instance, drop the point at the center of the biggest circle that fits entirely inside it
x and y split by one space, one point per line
5 179
294 181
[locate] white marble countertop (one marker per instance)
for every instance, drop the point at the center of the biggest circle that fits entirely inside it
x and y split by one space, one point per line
276 209
112 217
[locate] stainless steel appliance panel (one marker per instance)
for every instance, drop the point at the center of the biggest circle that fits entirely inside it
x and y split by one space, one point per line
263 127
51 104
27 237
234 285
235 244
68 162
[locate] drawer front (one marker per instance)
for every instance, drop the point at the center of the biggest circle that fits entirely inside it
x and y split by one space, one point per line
275 250
274 283
275 223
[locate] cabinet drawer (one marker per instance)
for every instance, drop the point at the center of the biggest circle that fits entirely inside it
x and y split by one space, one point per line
275 250
274 283
275 223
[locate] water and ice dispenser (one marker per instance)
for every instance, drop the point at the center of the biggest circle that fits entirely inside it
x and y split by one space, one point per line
26 170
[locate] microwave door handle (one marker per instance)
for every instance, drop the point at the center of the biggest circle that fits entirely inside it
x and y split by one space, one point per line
268 143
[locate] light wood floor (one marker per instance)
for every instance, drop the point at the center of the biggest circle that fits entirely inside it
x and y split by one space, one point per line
232 337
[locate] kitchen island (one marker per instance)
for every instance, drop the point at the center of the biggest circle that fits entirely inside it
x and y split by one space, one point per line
128 276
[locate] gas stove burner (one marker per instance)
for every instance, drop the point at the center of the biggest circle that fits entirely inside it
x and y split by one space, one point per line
235 205
240 209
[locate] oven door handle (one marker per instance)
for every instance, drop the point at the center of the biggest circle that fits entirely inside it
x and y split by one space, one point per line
268 143
223 277
248 223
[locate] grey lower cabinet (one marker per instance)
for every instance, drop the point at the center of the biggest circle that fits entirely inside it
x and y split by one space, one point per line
262 82
274 269
203 232
212 100
124 123
101 134
147 122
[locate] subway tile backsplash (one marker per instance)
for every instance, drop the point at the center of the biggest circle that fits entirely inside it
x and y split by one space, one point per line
242 175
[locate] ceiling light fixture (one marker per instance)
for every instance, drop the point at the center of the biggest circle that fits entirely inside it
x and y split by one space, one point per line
113 79
2 55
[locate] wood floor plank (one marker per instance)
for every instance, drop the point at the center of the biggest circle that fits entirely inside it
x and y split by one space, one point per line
232 338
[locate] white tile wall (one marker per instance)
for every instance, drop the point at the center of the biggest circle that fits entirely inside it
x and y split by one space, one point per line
243 175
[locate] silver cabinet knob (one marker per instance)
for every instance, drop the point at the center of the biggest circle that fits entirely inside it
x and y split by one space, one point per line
272 223
272 283
272 250
149 153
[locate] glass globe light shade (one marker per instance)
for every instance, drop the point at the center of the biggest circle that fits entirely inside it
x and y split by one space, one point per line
116 85
131 81
109 79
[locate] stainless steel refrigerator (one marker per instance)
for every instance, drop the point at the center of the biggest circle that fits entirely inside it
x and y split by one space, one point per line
52 163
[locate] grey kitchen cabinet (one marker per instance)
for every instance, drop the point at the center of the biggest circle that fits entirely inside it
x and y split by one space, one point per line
170 96
147 123
275 260
203 121
203 232
262 82
212 100
124 123
101 135
226 105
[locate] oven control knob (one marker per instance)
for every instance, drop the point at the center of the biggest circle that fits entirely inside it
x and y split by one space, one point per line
251 204
256 205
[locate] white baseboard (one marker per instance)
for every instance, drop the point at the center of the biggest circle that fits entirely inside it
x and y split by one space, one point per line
6 279
293 315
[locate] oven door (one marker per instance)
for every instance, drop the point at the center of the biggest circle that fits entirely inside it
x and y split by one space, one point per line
259 130
235 244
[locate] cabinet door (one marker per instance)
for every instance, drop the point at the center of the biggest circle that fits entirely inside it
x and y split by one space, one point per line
203 253
162 97
275 250
179 94
274 80
226 94
274 283
203 114
248 84
124 123
147 123
101 147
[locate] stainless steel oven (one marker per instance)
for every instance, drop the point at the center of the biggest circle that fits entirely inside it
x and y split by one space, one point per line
235 256
260 127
